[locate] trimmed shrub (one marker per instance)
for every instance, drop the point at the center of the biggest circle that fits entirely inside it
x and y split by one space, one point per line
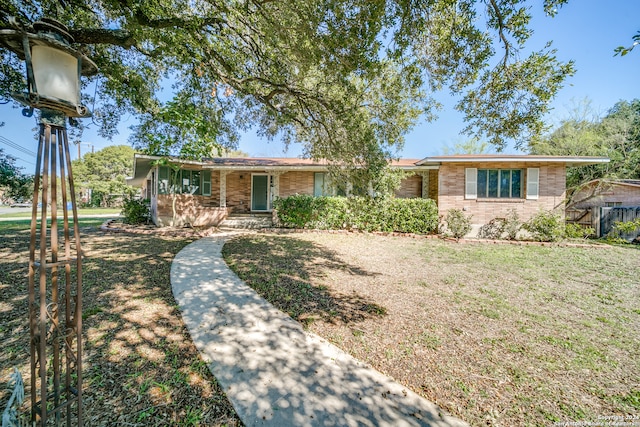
458 224
546 226
410 215
332 214
295 211
136 211
358 213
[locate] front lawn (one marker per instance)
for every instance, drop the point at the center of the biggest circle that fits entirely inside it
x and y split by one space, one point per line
81 212
140 365
498 335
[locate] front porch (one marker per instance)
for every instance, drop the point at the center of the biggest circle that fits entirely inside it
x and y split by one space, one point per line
205 193
237 194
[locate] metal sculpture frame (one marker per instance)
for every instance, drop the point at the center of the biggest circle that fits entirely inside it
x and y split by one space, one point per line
55 290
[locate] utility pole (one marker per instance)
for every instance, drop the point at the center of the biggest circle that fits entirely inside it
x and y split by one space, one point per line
84 143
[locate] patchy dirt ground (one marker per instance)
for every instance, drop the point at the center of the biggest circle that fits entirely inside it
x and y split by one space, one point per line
495 334
140 365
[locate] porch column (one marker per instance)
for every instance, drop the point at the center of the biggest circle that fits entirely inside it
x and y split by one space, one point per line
425 184
276 181
223 188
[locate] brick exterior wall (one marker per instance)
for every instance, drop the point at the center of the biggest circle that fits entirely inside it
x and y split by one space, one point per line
552 192
433 184
198 211
446 187
205 210
238 192
410 187
296 182
622 194
215 188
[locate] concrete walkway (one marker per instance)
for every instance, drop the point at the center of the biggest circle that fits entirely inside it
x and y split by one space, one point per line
273 372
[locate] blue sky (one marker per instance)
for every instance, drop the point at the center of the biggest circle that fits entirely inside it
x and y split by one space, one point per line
586 31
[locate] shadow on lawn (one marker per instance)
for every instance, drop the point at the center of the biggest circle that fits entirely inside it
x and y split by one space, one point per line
284 271
140 365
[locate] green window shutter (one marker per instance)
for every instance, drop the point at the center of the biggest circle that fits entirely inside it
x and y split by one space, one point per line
533 183
318 184
196 187
471 183
206 183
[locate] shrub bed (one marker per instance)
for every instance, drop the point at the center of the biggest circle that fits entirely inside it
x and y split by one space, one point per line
358 213
136 211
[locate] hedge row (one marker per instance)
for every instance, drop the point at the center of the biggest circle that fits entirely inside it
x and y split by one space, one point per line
358 213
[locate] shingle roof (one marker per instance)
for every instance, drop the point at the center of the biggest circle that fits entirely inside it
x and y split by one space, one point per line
285 161
264 161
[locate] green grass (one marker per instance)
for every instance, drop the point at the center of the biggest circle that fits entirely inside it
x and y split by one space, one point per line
17 227
84 212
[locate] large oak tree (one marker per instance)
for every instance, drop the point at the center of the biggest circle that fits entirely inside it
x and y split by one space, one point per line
346 78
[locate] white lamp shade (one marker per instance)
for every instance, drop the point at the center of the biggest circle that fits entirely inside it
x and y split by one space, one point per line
55 73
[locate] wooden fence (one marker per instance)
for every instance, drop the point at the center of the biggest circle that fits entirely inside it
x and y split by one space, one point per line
602 219
609 216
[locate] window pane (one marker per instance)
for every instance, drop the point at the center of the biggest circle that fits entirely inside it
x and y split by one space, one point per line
163 180
186 182
195 183
516 183
493 183
505 183
482 183
174 181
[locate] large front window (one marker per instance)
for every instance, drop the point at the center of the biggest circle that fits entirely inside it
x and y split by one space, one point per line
500 183
183 181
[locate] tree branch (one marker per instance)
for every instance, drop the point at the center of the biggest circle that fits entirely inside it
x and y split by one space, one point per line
501 27
115 37
144 20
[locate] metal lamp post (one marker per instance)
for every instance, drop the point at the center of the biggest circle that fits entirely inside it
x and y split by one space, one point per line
53 70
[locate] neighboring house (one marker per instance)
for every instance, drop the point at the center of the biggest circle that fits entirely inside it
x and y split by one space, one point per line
607 193
484 186
601 202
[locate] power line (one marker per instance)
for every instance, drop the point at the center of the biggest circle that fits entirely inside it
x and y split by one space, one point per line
15 146
26 161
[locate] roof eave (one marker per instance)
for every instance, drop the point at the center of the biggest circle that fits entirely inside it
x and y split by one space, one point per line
568 160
